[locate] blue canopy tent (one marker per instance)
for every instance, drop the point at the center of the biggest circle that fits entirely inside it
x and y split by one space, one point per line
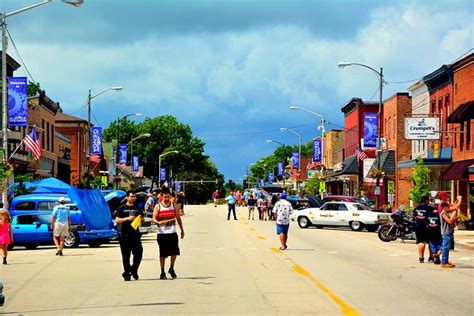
53 185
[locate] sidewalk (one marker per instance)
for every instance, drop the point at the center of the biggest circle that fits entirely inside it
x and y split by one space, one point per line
464 239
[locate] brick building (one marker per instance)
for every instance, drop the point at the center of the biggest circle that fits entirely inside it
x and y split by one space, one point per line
333 148
461 120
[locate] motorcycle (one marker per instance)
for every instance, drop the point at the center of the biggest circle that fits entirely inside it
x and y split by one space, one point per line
400 226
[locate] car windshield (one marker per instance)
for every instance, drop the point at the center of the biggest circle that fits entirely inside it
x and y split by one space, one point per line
361 207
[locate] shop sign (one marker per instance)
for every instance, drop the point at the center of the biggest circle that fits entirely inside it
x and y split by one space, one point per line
422 128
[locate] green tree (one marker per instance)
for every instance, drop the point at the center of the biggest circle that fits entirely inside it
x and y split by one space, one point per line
19 188
420 177
33 88
312 185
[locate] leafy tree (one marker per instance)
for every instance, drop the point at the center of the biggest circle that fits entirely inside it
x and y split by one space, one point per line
312 185
420 177
19 188
33 88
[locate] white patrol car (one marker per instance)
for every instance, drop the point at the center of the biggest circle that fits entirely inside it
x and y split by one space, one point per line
355 215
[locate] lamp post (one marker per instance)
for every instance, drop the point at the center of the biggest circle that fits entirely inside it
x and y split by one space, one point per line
131 144
321 127
159 163
118 132
269 141
284 129
4 16
379 74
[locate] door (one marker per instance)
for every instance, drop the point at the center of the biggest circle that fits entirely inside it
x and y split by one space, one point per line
343 215
327 214
29 229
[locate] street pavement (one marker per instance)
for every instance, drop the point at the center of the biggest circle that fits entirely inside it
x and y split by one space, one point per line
235 267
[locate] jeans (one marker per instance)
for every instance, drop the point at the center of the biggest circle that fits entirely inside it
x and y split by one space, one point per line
128 246
231 208
447 240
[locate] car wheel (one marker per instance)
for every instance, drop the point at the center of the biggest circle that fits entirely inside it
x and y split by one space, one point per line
72 239
356 226
303 222
371 228
31 247
94 243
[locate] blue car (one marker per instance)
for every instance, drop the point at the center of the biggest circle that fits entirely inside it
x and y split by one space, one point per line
90 218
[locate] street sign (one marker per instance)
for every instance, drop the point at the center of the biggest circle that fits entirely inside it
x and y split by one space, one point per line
377 190
391 187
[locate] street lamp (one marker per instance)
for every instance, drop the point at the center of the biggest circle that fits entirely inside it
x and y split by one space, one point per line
285 129
321 127
118 132
159 162
131 144
4 16
379 74
269 141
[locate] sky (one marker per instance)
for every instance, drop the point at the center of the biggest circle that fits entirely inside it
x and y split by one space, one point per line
230 69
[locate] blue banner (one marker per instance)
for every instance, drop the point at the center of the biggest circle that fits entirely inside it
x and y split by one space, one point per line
172 183
18 101
281 171
370 130
178 185
162 174
261 182
270 177
123 154
295 160
317 150
96 140
135 164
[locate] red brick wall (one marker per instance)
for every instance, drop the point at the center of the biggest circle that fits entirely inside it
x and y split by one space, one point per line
441 106
403 186
351 133
76 134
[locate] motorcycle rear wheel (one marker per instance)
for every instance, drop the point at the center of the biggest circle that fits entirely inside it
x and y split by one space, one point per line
385 234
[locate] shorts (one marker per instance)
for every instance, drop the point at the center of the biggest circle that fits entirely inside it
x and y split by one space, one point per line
251 208
282 229
168 244
421 236
61 229
436 245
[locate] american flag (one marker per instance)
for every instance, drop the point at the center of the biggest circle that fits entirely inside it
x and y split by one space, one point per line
33 143
360 153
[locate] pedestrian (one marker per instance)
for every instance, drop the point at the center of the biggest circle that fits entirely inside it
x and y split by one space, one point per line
215 197
282 211
60 225
246 197
6 233
129 236
165 215
448 221
149 205
262 203
180 201
433 229
231 200
444 197
274 202
251 205
238 195
420 212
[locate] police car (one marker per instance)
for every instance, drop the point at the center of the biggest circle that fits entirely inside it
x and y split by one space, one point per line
355 215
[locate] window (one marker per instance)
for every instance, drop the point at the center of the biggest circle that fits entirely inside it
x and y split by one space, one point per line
433 107
389 127
25 206
52 138
468 134
48 136
42 134
26 219
46 205
461 137
455 138
343 207
330 207
394 125
362 207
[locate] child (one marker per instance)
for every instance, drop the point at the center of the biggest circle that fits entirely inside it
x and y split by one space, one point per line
448 221
6 234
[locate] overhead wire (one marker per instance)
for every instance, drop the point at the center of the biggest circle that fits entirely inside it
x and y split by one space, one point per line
19 56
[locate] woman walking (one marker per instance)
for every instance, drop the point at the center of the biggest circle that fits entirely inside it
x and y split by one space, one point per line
6 234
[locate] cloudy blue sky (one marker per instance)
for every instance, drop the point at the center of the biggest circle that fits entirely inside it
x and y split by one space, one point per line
229 68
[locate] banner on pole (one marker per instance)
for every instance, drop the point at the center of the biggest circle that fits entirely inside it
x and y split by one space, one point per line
178 185
123 154
135 164
270 177
163 174
295 160
280 169
17 101
370 130
317 152
96 140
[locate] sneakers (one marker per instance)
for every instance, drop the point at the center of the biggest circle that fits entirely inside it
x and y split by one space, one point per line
436 259
421 259
57 253
447 265
431 259
60 253
135 276
163 276
126 276
172 273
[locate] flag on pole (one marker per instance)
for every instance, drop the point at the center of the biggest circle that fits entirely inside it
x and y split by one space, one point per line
33 143
360 153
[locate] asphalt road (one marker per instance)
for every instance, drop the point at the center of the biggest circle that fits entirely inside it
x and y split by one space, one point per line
235 267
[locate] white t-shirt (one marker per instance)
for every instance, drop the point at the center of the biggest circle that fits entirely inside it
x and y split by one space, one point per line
283 210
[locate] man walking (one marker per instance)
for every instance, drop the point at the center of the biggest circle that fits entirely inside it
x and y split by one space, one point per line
215 197
165 215
231 200
448 221
149 204
421 212
282 211
60 225
129 237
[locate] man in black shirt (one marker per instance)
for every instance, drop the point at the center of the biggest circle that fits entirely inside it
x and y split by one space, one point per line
420 212
129 237
434 234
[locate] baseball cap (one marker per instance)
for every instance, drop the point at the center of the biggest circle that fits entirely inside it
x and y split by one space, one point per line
443 194
283 196
61 200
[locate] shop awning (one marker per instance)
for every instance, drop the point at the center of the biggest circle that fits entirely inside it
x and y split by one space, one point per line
463 112
387 163
349 166
457 170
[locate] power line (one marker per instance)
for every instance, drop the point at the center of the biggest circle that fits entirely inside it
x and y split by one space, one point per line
253 133
19 56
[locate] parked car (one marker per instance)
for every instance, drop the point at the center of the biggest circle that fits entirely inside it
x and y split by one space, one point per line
2 297
90 217
355 215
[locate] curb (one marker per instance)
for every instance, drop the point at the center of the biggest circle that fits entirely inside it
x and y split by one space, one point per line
463 245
